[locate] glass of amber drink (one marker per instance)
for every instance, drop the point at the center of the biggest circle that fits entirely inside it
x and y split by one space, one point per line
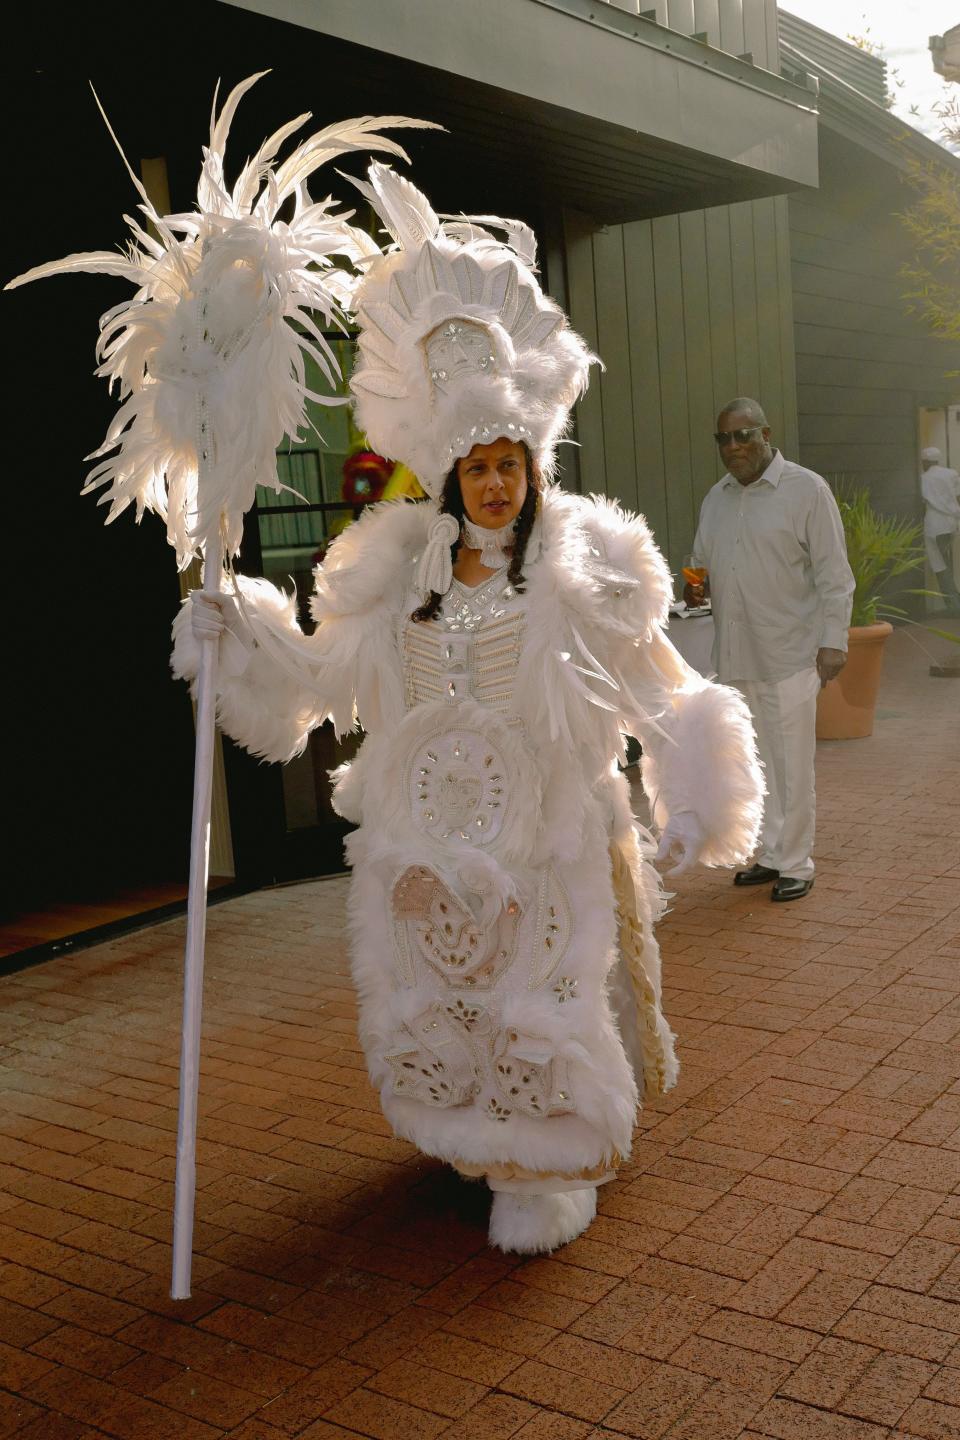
695 580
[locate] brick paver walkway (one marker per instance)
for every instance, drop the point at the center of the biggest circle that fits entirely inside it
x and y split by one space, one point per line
781 1257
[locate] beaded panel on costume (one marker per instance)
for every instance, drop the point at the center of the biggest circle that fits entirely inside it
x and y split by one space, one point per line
471 651
457 787
458 1051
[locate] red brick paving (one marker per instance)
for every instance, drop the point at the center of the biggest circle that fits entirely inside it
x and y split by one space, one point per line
780 1260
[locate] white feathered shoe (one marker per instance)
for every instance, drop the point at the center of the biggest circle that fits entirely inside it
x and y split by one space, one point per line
536 1224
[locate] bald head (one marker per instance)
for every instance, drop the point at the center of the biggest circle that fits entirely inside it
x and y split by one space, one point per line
743 438
752 410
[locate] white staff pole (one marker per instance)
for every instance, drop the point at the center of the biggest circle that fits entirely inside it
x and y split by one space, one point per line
186 1180
186 1174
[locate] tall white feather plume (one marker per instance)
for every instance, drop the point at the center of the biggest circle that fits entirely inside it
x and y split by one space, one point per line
209 356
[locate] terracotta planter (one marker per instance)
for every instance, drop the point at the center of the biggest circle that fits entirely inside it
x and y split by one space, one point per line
845 707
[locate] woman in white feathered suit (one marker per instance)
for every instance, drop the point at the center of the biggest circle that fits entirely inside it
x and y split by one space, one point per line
494 644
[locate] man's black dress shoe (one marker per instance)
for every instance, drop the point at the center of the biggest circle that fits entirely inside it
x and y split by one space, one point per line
756 875
789 889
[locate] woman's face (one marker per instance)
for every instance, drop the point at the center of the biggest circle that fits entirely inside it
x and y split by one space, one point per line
493 483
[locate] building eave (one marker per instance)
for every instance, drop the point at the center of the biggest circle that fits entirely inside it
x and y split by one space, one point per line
618 115
846 111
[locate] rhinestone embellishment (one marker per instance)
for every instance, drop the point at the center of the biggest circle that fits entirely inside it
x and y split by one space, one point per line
455 794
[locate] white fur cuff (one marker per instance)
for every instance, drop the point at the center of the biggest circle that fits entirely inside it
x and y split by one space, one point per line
712 770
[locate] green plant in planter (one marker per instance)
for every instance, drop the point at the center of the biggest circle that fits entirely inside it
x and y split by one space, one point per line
879 547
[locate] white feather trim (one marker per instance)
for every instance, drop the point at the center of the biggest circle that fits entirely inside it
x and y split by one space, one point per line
637 583
596 662
575 634
711 769
347 793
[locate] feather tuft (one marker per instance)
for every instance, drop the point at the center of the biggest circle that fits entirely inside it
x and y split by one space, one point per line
210 355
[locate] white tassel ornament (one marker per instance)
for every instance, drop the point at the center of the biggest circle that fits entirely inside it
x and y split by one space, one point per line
435 571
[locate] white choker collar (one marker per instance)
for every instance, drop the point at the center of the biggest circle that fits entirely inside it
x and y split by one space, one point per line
492 544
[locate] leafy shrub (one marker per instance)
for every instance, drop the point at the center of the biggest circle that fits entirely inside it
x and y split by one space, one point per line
879 547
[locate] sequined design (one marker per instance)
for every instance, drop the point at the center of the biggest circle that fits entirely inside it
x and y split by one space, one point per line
554 928
460 1051
457 789
529 1077
432 1061
458 348
497 1111
469 607
450 1055
474 1019
433 924
441 1061
471 651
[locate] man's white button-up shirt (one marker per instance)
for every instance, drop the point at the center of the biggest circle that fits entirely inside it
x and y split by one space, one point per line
779 579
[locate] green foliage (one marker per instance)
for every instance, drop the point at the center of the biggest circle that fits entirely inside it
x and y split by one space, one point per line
879 547
877 49
932 276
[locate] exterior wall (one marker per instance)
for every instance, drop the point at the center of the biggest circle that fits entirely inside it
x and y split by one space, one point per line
829 53
686 311
737 26
864 366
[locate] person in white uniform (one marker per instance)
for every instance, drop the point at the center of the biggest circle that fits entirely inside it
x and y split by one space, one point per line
940 487
771 538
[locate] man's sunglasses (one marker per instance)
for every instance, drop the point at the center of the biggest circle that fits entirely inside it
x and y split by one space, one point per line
723 437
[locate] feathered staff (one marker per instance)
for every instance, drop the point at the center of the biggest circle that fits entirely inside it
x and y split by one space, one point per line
210 361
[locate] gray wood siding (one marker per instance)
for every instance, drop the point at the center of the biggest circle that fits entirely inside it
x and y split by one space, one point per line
732 25
864 365
686 311
865 72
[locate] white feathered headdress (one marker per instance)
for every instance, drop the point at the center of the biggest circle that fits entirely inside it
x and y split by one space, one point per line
210 355
458 344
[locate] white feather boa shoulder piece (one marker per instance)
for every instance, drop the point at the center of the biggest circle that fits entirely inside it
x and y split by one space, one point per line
284 684
609 590
635 580
372 561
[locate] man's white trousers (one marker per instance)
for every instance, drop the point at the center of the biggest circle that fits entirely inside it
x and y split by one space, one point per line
785 718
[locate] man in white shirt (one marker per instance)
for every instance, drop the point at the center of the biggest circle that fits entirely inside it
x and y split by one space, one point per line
940 488
771 538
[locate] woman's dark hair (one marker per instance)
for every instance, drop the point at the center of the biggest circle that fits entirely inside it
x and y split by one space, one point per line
451 503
